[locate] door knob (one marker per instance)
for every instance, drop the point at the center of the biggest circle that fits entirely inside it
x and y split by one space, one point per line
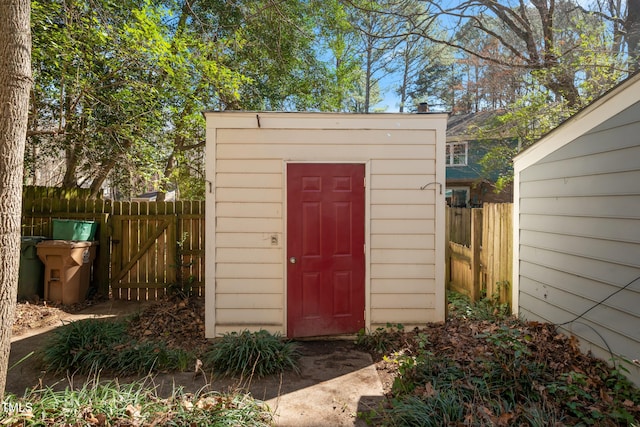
292 260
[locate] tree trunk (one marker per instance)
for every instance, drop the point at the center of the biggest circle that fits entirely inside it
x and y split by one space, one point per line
632 26
15 84
102 172
168 170
101 177
71 162
406 64
73 148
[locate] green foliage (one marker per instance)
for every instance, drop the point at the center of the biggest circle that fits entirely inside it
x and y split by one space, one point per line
508 344
414 367
498 377
487 308
252 353
94 345
112 403
382 339
446 408
604 70
497 162
427 389
183 286
338 40
429 70
120 87
574 388
522 123
583 62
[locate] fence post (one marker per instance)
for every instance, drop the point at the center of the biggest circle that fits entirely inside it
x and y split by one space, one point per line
447 248
476 242
447 258
101 272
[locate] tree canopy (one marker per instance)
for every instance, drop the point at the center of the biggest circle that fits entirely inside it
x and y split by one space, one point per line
119 89
535 63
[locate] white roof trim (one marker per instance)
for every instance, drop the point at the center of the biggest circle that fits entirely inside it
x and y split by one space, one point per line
613 102
321 120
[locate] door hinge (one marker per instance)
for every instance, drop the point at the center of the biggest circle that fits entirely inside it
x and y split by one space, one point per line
364 182
364 248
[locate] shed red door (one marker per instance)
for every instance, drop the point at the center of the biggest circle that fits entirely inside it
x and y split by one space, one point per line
325 249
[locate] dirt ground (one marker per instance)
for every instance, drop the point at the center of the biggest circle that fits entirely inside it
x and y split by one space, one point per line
30 316
156 320
336 380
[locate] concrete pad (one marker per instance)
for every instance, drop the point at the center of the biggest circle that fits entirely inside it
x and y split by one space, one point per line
342 383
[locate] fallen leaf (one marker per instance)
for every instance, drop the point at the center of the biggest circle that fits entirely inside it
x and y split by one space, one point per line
505 419
187 404
133 412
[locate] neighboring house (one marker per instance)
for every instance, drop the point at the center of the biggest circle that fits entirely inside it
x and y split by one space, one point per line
324 223
466 187
577 227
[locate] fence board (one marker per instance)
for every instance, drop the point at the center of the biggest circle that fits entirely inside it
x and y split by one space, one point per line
459 220
460 268
497 249
476 245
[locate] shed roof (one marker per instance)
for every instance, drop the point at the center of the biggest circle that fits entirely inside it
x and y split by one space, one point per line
324 120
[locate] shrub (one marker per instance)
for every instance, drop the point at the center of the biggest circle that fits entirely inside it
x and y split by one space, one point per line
260 353
382 340
487 308
441 409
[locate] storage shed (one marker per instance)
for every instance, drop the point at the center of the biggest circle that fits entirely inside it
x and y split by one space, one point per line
577 227
322 223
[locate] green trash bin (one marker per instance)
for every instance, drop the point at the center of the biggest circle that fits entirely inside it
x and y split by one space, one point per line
31 272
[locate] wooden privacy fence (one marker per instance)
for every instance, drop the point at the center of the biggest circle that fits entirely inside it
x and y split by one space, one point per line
144 248
479 250
458 222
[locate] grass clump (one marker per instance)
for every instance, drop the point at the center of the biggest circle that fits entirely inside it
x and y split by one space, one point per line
257 353
487 308
382 339
97 345
135 404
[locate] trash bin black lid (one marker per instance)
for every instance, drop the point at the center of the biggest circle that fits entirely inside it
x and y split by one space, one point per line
33 239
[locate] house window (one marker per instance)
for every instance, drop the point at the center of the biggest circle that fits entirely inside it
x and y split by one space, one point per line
457 153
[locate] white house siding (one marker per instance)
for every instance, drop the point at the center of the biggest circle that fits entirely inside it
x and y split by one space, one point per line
246 226
578 211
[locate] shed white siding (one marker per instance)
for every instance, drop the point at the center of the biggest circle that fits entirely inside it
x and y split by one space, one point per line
247 154
577 231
